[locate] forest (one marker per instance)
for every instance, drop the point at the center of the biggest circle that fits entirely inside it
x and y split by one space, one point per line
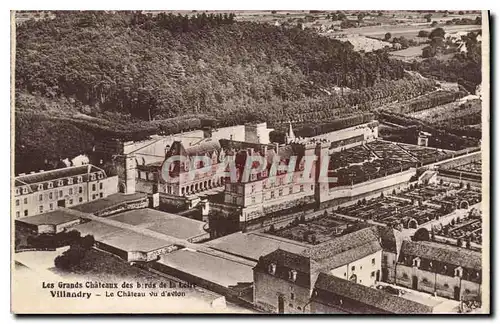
86 75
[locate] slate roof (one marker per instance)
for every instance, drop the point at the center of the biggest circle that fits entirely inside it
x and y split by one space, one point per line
351 255
286 261
443 253
366 295
361 243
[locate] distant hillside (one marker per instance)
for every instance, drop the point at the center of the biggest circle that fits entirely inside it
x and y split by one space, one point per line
127 68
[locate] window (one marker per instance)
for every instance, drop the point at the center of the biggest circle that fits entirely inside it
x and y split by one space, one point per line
92 177
100 175
79 179
424 280
100 185
353 268
40 187
101 195
50 185
446 285
253 200
292 296
93 187
301 188
70 191
312 187
17 191
40 197
17 202
70 181
51 206
25 190
80 199
41 209
405 276
71 201
280 192
372 274
290 190
17 214
253 188
60 193
50 195
272 268
25 212
467 291
272 194
373 261
235 200
292 275
59 183
80 189
385 259
25 201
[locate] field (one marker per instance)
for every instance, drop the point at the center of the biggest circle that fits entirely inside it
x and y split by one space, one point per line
408 54
463 112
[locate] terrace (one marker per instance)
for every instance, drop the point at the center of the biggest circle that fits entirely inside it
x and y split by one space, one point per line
467 229
424 154
316 230
392 211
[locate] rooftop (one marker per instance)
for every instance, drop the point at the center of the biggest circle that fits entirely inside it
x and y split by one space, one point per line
364 238
108 202
97 229
56 217
209 267
253 245
366 295
162 222
131 241
55 174
443 253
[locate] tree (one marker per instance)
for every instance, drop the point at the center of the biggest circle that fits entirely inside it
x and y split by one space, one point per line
387 36
423 33
434 23
428 17
422 234
438 32
460 12
428 51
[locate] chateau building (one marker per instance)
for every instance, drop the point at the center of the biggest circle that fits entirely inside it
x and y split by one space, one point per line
440 269
45 191
337 276
284 281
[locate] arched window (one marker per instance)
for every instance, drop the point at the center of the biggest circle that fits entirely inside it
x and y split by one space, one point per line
272 268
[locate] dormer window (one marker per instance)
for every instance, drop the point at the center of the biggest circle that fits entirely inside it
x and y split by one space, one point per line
100 175
79 179
70 181
40 186
292 275
59 183
50 185
25 190
416 262
458 272
272 268
92 177
18 191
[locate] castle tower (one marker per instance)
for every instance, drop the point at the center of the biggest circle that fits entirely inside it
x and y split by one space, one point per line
321 188
130 173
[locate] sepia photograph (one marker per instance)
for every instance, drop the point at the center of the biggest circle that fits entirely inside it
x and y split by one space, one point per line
250 162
